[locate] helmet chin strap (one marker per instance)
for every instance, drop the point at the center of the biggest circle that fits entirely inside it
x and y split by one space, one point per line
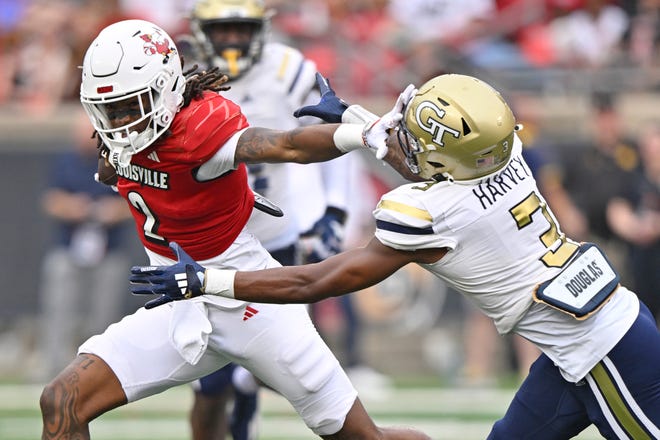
119 157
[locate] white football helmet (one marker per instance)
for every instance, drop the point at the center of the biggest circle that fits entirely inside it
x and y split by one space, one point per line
233 59
131 61
457 128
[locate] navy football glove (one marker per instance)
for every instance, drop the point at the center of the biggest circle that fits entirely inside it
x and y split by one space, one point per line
330 107
182 280
325 238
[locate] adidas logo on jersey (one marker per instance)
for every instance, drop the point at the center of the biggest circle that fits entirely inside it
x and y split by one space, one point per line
153 156
249 313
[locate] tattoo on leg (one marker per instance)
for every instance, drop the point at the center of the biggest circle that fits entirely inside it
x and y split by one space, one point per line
60 417
85 361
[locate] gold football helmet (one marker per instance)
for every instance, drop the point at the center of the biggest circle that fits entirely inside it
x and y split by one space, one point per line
234 56
456 128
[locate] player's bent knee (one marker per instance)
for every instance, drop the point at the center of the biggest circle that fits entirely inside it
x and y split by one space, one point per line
47 400
82 391
58 403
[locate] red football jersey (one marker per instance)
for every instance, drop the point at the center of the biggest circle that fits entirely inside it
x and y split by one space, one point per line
168 204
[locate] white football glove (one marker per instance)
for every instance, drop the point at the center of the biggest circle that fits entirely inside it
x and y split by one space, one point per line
375 134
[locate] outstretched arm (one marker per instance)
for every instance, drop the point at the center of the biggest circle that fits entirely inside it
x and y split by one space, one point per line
319 143
343 273
313 143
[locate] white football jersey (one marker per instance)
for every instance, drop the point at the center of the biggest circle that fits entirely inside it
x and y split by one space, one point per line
503 241
268 94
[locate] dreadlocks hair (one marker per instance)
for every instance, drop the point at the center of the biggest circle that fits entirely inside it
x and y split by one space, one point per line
198 82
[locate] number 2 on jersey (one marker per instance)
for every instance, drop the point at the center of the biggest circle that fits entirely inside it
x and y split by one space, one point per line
522 213
151 223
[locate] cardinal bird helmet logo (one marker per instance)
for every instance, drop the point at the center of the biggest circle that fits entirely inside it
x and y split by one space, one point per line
157 44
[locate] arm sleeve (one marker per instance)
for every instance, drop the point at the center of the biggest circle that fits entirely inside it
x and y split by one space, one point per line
222 161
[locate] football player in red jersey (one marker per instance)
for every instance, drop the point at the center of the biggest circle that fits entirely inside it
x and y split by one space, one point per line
176 151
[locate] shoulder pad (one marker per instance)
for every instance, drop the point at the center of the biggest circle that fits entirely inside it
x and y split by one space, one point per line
404 222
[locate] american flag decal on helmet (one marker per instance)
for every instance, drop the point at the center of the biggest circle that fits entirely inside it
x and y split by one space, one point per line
485 161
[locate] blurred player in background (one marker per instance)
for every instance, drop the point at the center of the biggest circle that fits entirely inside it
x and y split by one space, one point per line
269 81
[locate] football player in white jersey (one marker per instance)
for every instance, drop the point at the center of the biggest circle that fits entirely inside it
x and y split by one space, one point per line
269 81
477 220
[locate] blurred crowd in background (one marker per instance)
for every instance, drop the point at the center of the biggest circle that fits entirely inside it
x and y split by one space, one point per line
603 184
367 47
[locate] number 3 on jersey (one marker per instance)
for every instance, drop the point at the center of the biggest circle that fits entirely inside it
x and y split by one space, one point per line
151 223
522 213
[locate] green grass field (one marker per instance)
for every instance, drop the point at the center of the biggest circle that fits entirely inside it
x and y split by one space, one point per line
450 414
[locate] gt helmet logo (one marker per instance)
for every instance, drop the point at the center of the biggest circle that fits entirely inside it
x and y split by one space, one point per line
432 125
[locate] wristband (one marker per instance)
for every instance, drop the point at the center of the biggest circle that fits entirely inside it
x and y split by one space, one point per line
348 137
356 114
219 282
